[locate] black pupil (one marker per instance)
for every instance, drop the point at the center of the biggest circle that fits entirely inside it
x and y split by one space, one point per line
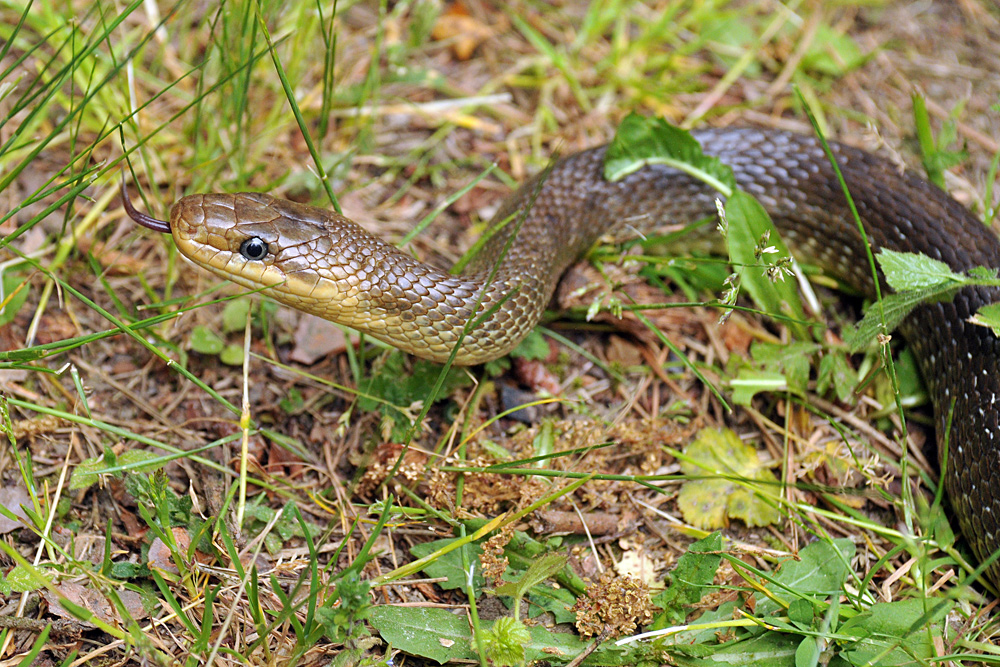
253 248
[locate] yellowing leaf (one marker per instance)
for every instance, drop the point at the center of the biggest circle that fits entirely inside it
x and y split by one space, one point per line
741 491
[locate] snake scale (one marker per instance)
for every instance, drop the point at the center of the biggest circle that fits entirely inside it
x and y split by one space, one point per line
325 264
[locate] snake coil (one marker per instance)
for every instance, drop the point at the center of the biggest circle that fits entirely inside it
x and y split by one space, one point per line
325 264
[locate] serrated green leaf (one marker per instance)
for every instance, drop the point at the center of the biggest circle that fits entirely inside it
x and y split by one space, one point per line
743 493
292 402
205 341
836 371
504 642
89 470
397 387
911 271
690 580
642 141
125 570
790 359
984 272
896 308
988 316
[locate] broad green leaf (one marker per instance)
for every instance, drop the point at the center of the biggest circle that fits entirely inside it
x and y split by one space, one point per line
896 633
206 341
543 568
807 653
556 601
434 634
911 271
232 355
989 316
449 566
86 474
741 493
736 32
770 649
832 53
89 470
819 572
642 141
22 579
772 290
749 382
704 641
534 346
234 315
547 646
801 613
442 636
821 568
16 289
790 359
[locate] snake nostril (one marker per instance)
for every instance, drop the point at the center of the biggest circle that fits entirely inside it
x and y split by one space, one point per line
254 249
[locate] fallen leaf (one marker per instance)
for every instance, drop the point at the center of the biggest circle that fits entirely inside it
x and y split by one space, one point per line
535 376
316 338
741 491
465 31
159 554
12 497
95 602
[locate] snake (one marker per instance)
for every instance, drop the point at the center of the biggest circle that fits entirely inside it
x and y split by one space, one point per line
323 263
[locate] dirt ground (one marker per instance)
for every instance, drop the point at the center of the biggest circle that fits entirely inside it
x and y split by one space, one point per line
325 451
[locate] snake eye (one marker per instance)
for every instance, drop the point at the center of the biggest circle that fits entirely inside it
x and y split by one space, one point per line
253 249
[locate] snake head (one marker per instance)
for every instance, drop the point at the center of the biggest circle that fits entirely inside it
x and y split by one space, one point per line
306 257
325 264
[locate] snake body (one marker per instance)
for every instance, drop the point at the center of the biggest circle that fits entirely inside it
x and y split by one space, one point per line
325 264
